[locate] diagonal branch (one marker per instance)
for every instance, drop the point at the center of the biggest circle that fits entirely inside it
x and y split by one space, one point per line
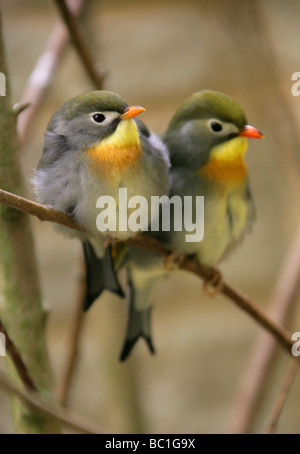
81 48
45 214
52 410
283 395
187 263
43 71
17 360
21 305
73 343
255 374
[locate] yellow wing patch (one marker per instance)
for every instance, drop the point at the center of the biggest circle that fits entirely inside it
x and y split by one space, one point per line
117 152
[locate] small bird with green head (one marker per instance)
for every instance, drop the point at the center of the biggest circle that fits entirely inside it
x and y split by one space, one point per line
93 147
207 142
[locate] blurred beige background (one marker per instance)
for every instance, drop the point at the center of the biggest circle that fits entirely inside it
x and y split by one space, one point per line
157 53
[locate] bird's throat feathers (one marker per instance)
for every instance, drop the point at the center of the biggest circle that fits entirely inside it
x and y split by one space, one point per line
116 152
226 163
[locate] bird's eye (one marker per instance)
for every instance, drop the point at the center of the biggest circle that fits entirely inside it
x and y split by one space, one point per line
98 117
216 126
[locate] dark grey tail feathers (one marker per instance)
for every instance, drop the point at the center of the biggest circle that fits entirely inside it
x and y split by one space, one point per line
130 343
138 325
100 275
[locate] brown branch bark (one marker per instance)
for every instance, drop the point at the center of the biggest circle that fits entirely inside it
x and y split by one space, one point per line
33 208
51 410
283 395
44 69
21 304
79 44
255 374
76 329
186 263
17 360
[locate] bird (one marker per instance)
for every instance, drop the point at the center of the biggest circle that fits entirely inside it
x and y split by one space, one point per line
94 147
207 141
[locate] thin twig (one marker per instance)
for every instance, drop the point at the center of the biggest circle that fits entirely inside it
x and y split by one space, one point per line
17 360
51 410
283 395
254 376
20 107
280 333
33 208
186 263
76 328
21 303
81 48
44 69
97 78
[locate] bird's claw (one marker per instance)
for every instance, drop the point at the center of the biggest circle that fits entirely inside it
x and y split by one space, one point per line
214 284
172 261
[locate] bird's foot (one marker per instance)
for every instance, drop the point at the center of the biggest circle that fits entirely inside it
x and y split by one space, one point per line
172 261
214 284
107 241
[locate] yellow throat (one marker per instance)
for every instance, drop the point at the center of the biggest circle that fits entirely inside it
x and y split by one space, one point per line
226 164
117 152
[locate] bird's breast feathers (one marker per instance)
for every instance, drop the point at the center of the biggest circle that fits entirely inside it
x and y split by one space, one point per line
226 165
116 153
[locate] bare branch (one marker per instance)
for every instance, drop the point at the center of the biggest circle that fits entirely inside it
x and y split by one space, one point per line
21 305
20 107
283 395
254 376
81 48
186 263
52 410
65 384
17 360
42 73
44 213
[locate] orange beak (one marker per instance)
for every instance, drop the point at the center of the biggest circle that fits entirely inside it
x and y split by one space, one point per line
250 131
132 112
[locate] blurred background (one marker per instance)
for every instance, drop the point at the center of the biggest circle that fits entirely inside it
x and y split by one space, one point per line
155 54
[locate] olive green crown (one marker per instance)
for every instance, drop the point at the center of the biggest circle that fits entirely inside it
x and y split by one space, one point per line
209 104
93 101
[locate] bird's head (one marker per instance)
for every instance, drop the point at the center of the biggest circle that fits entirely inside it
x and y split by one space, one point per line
208 125
99 125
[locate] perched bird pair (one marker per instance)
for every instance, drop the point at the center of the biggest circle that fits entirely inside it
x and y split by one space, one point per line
94 146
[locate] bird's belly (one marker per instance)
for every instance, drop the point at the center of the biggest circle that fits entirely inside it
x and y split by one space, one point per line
224 222
127 212
86 210
217 235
